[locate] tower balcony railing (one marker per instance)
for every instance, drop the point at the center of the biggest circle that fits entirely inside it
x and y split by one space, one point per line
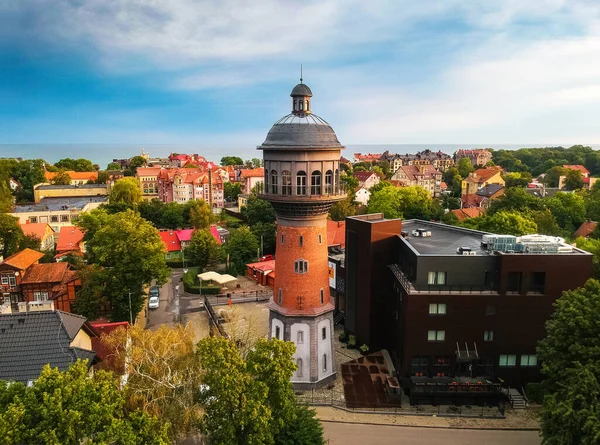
303 192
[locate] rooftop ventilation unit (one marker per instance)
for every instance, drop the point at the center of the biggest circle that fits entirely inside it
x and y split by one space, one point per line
465 251
421 233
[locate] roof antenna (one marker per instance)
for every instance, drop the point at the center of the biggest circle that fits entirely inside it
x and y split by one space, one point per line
300 73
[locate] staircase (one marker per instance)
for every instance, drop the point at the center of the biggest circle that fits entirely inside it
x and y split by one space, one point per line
516 399
339 318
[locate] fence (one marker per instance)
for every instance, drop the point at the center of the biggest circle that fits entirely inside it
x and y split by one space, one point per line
240 297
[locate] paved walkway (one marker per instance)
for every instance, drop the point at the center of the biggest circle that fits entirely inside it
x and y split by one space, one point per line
354 434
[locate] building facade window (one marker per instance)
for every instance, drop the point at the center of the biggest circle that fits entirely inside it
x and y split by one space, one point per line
280 296
315 183
277 332
299 365
324 333
301 266
301 183
324 362
300 337
282 238
507 360
40 296
528 360
54 218
419 365
437 309
286 182
301 241
436 278
320 239
328 182
33 219
274 181
436 335
488 335
64 218
322 296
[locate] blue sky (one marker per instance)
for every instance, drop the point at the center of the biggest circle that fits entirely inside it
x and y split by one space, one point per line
219 72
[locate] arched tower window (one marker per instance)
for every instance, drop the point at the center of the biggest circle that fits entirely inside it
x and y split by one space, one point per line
301 183
266 180
328 182
315 183
274 180
286 182
299 365
337 179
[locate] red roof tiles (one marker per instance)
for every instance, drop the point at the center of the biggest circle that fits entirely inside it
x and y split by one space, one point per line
169 238
253 173
69 238
23 259
586 229
36 230
45 273
336 233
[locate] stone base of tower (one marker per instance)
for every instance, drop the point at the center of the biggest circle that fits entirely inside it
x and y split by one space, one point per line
313 337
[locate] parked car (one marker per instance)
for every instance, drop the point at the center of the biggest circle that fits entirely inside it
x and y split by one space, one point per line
154 302
266 258
154 291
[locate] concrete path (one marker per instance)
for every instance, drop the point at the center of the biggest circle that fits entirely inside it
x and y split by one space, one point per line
356 434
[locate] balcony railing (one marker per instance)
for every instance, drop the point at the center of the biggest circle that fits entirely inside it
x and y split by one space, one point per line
302 191
411 289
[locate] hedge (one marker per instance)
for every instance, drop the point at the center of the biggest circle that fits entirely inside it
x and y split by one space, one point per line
190 284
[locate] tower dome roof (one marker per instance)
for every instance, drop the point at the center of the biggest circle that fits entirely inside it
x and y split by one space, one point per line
301 129
301 90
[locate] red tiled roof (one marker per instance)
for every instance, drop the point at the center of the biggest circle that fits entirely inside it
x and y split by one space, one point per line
69 238
336 233
36 230
185 234
148 171
253 172
362 176
443 185
581 168
215 233
397 183
483 174
81 176
169 238
263 265
23 259
45 273
585 229
468 212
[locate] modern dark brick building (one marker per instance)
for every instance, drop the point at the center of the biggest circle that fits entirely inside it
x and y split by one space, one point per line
448 301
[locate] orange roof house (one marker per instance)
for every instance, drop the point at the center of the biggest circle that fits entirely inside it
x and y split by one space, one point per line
468 212
478 179
76 177
585 229
70 239
336 233
23 259
584 171
41 231
51 281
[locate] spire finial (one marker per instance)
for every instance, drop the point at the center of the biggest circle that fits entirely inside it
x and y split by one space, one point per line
300 73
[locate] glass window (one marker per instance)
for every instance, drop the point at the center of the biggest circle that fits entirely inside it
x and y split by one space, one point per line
274 181
277 332
5 279
286 182
280 296
64 218
324 362
322 296
436 335
301 266
54 218
299 365
282 238
320 239
300 337
438 278
301 183
315 183
419 365
529 360
33 219
488 335
40 296
324 333
301 241
437 309
507 360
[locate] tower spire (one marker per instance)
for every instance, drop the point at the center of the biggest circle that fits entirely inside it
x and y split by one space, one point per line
300 73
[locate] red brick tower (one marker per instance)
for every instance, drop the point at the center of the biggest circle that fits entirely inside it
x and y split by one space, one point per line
302 180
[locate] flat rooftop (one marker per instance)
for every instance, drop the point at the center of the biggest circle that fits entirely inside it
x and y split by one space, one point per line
444 239
52 204
70 186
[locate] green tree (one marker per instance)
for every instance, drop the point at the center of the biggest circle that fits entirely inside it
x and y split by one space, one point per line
242 247
28 172
103 178
404 202
6 197
231 160
573 180
256 162
77 165
61 178
12 239
464 167
573 334
516 200
268 412
113 166
258 210
340 210
90 223
592 246
134 163
91 301
152 211
546 222
131 255
571 414
125 192
200 214
172 216
503 223
267 232
72 408
517 179
231 190
203 249
568 209
552 177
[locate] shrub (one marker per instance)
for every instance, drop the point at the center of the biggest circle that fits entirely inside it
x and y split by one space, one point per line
535 392
351 341
364 348
343 337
